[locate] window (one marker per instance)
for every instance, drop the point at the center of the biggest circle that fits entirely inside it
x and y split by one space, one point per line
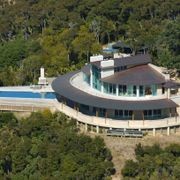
141 90
163 90
121 68
134 90
110 88
102 112
96 78
148 113
122 89
119 113
148 90
157 112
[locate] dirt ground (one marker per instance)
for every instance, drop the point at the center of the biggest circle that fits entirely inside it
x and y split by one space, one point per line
123 148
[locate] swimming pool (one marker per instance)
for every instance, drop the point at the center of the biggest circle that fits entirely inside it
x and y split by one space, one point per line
22 94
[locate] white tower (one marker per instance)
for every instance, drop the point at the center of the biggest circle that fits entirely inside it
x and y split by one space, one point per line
42 79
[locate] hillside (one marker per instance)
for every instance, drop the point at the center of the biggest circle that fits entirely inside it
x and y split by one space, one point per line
61 35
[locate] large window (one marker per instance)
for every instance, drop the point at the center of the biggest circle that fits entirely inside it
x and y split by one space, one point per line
124 114
148 90
152 114
110 88
86 78
96 78
122 90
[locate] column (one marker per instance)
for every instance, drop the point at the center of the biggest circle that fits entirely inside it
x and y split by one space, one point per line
117 90
154 132
91 77
168 131
97 112
106 115
86 127
102 87
97 129
168 93
137 89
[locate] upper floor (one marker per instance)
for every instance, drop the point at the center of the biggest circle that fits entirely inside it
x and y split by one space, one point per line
131 76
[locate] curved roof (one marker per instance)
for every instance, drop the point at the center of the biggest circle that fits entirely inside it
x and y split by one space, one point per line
128 61
63 87
139 75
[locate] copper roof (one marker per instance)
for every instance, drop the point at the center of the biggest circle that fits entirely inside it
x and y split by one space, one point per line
132 60
139 75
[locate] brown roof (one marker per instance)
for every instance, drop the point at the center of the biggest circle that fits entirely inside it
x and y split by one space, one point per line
139 75
172 84
63 87
132 60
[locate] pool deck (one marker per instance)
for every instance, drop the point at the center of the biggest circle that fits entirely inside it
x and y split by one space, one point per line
27 88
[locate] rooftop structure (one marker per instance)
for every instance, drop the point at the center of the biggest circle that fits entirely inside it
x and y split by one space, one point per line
122 89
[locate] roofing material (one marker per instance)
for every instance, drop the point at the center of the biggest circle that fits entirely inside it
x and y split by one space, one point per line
63 87
127 61
138 75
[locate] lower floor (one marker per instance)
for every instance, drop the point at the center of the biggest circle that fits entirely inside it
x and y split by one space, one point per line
145 114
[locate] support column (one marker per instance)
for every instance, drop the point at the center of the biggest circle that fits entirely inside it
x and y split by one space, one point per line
143 117
102 87
137 89
97 112
154 132
168 131
168 93
117 90
91 77
86 127
106 115
97 129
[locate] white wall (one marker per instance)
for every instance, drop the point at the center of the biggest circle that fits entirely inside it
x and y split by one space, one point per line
107 72
96 58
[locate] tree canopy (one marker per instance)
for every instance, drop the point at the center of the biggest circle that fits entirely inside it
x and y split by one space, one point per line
61 35
49 146
153 162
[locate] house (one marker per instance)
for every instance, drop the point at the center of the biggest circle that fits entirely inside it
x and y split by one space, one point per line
121 92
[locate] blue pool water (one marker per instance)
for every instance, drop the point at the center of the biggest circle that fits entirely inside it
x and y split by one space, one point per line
19 94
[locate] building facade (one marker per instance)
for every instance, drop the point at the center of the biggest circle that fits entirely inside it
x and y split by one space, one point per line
120 89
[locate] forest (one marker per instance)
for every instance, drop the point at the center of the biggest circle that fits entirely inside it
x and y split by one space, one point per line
61 35
46 146
154 162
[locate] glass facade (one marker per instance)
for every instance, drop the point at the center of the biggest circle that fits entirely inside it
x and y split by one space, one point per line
121 90
109 88
152 114
86 78
123 114
148 90
96 75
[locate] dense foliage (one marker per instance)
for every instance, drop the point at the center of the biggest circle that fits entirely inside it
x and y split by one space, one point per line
153 162
61 35
48 146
